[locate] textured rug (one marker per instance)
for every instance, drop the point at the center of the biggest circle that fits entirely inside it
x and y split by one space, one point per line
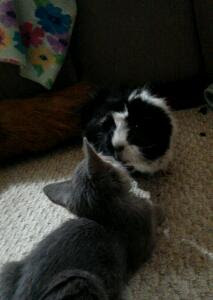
182 264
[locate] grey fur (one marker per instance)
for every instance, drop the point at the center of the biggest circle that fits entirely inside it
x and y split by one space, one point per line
94 256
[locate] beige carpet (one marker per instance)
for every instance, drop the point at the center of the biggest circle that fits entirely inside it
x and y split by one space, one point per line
182 265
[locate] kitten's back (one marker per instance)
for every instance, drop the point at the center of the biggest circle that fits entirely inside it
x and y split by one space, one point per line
11 274
79 244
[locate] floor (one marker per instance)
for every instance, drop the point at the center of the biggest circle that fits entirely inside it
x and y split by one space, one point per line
182 264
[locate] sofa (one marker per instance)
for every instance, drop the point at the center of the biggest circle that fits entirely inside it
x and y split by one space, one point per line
166 42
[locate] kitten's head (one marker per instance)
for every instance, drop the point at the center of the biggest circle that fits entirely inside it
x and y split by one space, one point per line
95 186
143 131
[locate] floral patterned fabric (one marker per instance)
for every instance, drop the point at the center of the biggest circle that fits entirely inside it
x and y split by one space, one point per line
35 34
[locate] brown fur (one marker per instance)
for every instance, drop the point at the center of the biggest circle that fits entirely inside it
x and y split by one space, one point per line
33 125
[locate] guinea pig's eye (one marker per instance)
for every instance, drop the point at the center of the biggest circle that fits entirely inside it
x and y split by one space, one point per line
108 123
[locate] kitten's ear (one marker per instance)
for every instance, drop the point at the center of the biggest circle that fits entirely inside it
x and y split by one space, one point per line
59 193
95 163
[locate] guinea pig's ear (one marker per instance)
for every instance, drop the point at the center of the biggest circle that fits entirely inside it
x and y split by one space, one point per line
95 163
134 105
59 193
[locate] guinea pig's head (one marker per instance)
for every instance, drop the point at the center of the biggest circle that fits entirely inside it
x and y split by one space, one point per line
143 131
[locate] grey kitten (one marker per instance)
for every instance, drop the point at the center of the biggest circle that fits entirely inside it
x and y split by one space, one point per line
94 256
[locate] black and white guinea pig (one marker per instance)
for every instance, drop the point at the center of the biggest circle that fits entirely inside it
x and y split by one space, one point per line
133 126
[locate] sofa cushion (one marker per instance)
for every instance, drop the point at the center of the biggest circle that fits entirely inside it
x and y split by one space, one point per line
132 41
12 85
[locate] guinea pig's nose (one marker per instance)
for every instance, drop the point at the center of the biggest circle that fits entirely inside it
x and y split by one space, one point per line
118 151
119 148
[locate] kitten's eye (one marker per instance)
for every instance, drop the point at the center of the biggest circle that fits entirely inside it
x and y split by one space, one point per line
136 126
